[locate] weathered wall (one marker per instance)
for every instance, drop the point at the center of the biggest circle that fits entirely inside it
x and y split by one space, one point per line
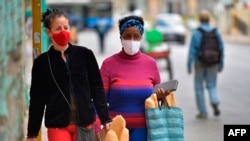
243 17
12 94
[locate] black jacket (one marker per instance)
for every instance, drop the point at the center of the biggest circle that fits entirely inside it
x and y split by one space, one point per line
87 86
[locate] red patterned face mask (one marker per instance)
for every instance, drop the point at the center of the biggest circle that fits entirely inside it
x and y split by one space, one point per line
61 38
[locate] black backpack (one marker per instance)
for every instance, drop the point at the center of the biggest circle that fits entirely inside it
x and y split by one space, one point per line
209 51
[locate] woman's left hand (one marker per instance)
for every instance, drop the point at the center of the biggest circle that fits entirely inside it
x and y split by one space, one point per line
161 93
107 125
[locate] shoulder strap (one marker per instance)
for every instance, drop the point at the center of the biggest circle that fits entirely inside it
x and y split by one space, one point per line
201 29
214 30
52 74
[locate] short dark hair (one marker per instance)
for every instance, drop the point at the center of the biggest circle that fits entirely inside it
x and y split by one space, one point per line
50 15
204 16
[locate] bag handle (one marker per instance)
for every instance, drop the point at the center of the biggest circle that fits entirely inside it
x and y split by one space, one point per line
163 102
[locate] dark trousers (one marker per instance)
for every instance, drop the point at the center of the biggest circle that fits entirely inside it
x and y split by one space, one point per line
101 42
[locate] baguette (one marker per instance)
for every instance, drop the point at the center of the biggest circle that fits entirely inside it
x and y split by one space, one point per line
117 130
151 102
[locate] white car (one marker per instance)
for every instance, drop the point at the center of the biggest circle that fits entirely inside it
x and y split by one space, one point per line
172 27
192 24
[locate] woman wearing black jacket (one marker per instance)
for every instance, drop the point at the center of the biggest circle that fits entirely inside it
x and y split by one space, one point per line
66 85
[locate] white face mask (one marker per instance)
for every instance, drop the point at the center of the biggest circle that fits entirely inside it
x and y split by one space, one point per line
131 47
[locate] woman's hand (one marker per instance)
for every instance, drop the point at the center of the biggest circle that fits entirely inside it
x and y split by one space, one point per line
161 93
107 125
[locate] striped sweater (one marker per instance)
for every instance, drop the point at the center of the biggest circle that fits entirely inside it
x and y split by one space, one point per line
128 81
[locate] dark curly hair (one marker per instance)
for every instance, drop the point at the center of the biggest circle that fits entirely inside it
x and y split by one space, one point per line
123 20
50 15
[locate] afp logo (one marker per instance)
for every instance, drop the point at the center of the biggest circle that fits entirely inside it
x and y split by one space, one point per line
236 132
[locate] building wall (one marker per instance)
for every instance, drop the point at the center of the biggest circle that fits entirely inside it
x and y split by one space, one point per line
11 70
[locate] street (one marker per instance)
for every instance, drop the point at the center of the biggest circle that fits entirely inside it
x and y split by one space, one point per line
233 90
233 86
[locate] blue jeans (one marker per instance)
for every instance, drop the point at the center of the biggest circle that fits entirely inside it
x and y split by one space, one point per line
209 76
138 134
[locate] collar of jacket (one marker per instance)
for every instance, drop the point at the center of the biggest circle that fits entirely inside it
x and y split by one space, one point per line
56 52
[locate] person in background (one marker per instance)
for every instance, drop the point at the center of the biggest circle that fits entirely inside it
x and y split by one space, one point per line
202 72
102 29
66 85
129 77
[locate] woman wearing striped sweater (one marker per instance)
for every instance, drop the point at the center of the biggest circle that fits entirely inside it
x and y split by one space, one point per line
129 77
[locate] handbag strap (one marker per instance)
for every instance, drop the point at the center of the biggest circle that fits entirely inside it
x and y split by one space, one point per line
57 83
163 102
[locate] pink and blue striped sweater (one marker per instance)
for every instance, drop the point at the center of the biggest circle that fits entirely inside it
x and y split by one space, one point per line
128 81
